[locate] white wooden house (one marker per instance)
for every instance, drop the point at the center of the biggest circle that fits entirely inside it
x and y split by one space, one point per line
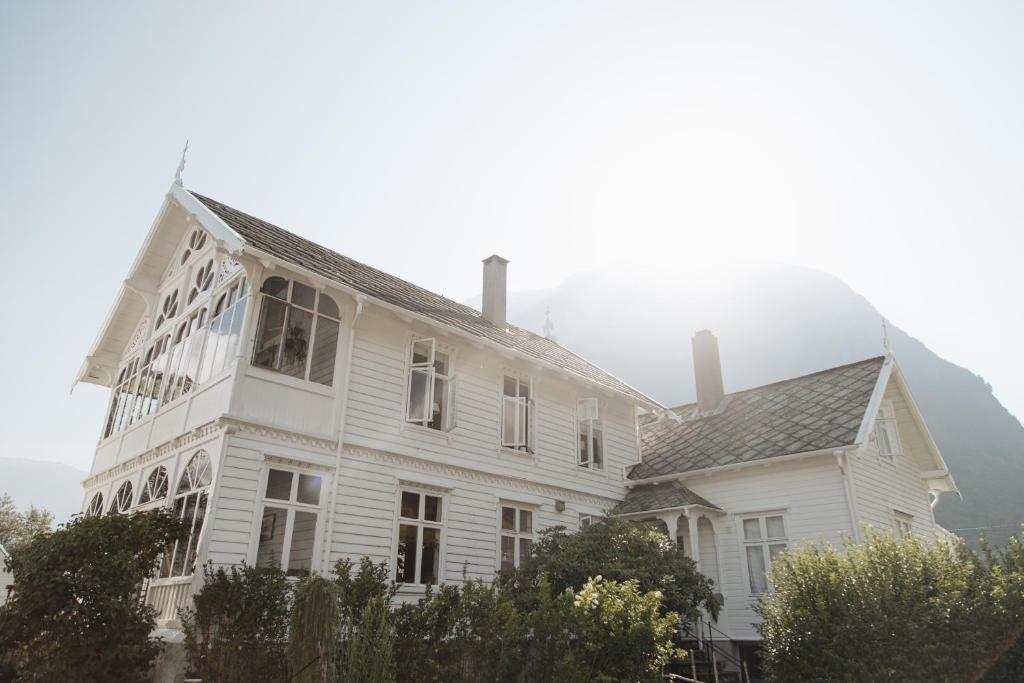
298 407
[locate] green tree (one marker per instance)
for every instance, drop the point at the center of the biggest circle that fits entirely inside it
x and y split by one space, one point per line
75 612
890 609
369 655
619 551
17 528
315 631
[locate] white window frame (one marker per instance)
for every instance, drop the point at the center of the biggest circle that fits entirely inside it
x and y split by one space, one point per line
588 414
765 543
291 506
429 370
420 523
903 523
516 533
885 425
585 521
174 495
524 414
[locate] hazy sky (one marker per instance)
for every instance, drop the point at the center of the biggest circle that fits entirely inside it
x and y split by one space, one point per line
879 141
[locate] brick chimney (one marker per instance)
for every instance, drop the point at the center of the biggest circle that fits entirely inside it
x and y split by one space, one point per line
707 371
494 301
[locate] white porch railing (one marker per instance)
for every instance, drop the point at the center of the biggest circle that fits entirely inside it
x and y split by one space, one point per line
168 597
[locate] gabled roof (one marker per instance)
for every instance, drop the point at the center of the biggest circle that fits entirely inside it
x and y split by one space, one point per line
280 243
815 412
666 496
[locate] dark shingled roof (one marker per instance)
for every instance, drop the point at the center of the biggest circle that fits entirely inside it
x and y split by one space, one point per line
809 413
372 282
664 496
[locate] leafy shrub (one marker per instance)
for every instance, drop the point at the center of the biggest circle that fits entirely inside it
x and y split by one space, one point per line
237 630
891 609
315 630
358 588
369 654
75 613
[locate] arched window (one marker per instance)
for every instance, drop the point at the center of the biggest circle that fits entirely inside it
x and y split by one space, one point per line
203 280
155 487
95 508
196 241
168 309
298 331
225 329
190 500
122 502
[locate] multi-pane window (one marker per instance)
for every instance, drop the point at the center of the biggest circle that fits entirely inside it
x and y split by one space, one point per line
420 520
590 451
225 330
903 522
291 507
122 501
298 331
887 437
183 357
95 506
155 487
764 537
515 536
517 414
430 399
190 502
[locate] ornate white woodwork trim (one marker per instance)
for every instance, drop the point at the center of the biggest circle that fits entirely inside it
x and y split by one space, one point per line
227 268
180 442
494 480
238 426
138 336
297 464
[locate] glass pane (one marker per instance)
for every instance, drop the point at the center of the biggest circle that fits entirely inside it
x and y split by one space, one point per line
508 519
439 406
884 443
584 445
525 545
441 362
755 568
303 295
431 558
188 515
752 529
526 521
276 286
508 421
775 527
598 445
325 348
406 564
197 528
279 485
232 327
268 336
309 488
775 549
432 509
300 556
508 549
510 386
419 388
422 351
296 343
410 505
271 549
327 306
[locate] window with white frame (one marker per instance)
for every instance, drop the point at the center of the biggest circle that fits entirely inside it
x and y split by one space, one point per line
903 523
590 451
886 435
515 535
221 338
430 391
420 523
291 510
122 501
764 538
298 330
183 357
586 521
95 508
155 487
190 503
517 413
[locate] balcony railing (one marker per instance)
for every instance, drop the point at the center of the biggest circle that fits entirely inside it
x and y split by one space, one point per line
167 597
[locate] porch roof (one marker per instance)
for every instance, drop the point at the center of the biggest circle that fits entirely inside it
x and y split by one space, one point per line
664 496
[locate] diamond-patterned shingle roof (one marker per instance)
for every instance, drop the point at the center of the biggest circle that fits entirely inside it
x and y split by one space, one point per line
664 496
814 412
283 244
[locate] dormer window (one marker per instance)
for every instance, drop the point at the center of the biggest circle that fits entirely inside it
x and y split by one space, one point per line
886 434
590 451
298 331
196 241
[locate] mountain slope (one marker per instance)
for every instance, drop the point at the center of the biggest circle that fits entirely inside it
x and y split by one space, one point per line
51 485
773 322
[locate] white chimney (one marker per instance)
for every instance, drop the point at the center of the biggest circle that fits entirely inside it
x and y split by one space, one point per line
707 371
494 301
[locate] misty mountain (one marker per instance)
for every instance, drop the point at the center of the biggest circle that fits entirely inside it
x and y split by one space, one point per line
777 321
51 485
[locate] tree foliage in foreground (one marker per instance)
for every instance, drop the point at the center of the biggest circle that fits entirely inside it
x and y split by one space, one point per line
75 613
891 609
18 528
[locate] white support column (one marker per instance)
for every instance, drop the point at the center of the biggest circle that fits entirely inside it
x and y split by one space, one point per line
671 520
691 520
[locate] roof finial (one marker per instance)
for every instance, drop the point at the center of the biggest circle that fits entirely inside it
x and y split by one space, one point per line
549 326
181 166
886 341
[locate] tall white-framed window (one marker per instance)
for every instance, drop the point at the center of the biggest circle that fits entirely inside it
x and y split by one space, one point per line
95 508
517 409
764 538
420 534
291 516
515 534
221 337
886 434
297 334
590 434
902 523
183 364
154 489
430 390
190 503
122 500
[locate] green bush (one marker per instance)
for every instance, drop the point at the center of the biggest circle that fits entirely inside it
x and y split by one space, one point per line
315 631
890 609
357 588
369 653
75 613
237 630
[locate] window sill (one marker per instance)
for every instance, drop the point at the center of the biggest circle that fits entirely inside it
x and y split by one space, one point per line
592 471
525 456
289 381
171 580
436 433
